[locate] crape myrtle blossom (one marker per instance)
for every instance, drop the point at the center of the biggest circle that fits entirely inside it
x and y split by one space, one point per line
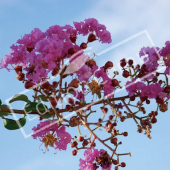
51 134
93 157
41 52
165 51
84 73
101 73
108 89
134 87
106 83
29 40
20 51
152 90
80 67
151 58
92 25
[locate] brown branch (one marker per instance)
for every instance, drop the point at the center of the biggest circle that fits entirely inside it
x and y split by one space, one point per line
131 113
66 110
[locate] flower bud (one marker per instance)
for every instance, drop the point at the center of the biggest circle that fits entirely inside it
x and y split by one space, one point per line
122 62
29 84
115 82
130 62
125 134
167 89
18 69
74 152
153 120
83 45
20 76
55 71
70 100
55 84
53 102
29 49
46 85
91 37
126 74
122 164
68 106
163 107
109 64
73 39
81 138
71 51
85 143
114 141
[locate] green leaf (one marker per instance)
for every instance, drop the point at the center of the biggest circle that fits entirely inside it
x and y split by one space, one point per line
20 97
99 95
41 97
38 107
35 107
4 113
13 124
47 116
0 103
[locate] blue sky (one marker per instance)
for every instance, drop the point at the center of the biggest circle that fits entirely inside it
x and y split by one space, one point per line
123 19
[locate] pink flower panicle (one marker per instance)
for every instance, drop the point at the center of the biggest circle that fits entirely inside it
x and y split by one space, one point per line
94 158
42 51
60 137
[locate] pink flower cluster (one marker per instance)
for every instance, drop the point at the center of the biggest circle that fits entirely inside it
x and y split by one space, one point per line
165 50
89 162
43 128
41 52
153 55
85 72
92 25
106 83
151 59
134 87
151 91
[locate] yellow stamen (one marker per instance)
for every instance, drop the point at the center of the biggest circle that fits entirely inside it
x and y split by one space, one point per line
94 87
49 140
